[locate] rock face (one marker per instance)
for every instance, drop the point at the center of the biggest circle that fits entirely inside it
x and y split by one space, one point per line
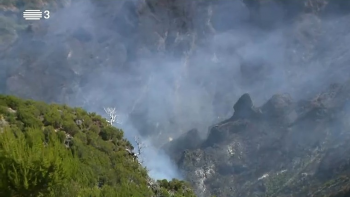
244 108
188 141
270 156
281 108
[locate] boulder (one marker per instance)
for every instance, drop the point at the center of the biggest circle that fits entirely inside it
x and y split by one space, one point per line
280 107
244 108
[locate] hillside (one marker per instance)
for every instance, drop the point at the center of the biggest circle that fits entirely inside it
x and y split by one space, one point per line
173 69
283 148
55 150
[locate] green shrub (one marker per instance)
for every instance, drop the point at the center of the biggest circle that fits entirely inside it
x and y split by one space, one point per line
30 166
35 161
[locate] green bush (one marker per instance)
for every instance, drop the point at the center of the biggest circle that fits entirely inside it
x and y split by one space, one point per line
31 167
37 159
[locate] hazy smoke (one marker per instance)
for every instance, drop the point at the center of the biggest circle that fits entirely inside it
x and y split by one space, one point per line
167 82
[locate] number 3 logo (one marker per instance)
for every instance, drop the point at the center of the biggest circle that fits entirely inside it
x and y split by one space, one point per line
47 14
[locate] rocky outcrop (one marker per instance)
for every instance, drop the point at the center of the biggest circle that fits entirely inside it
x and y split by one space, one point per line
281 108
276 155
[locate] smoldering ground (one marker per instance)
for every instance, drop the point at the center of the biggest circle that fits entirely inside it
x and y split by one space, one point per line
165 79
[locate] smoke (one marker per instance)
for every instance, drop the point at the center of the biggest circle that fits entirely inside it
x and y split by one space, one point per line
168 73
158 164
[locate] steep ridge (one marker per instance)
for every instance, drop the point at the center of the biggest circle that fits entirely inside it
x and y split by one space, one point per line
283 148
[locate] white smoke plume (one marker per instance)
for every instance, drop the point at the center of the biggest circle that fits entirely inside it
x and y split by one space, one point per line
163 90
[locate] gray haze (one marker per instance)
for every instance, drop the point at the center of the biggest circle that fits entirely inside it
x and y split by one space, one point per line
163 90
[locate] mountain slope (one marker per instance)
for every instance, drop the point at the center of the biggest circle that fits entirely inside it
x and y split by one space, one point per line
201 54
55 150
283 148
174 65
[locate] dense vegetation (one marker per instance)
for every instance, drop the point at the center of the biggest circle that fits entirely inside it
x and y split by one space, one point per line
55 150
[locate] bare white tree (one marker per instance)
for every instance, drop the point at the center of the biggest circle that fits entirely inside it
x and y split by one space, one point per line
113 117
138 153
140 147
